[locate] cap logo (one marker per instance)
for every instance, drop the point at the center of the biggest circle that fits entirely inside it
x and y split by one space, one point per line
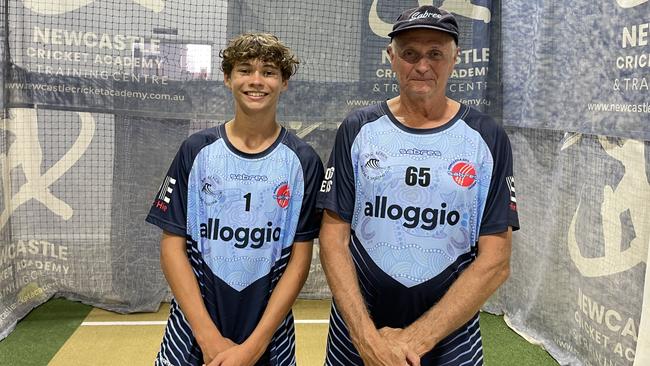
428 17
425 14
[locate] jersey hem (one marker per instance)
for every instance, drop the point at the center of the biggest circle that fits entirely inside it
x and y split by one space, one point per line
167 226
345 216
310 235
496 228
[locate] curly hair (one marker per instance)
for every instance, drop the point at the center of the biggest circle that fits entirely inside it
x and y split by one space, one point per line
261 46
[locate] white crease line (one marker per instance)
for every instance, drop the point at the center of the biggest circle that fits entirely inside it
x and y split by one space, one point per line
312 321
124 323
305 321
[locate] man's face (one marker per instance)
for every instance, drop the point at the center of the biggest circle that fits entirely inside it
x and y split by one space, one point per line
256 85
423 60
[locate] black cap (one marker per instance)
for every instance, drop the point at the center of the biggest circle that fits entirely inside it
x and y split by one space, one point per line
426 17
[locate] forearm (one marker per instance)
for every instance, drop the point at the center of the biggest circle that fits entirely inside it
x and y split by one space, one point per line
342 277
184 286
466 296
282 298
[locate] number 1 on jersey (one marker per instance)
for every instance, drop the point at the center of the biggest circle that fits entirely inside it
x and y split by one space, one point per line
247 196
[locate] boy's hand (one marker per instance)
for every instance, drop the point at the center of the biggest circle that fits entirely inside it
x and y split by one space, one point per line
213 346
239 355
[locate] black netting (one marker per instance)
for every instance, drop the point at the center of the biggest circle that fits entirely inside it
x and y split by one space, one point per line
98 94
101 93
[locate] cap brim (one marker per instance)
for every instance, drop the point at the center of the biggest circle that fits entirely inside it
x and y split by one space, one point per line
421 26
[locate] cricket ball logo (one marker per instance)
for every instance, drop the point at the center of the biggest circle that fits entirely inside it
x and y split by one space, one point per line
463 173
282 195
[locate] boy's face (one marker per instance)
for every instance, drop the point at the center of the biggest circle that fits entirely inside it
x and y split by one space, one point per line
256 85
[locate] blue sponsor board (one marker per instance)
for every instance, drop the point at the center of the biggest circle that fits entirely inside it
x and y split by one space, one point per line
578 66
475 77
64 59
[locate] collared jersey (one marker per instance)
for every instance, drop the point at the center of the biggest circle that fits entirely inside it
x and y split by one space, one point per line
241 214
417 201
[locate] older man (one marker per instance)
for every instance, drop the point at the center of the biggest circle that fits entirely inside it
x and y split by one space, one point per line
419 210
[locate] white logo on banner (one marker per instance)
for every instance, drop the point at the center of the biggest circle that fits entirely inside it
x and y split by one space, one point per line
461 7
64 6
630 3
632 194
26 152
467 9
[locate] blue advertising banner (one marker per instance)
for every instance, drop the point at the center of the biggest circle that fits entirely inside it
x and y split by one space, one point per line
163 59
469 81
578 66
154 58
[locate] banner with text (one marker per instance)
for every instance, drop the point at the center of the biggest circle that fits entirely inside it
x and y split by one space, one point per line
161 58
578 66
579 263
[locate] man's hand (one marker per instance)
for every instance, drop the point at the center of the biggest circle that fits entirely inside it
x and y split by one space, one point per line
397 339
467 294
380 351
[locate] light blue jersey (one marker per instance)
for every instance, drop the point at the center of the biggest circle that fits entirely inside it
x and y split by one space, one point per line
417 201
241 214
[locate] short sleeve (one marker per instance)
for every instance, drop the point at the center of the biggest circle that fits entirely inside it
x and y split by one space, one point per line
169 208
310 216
501 204
337 189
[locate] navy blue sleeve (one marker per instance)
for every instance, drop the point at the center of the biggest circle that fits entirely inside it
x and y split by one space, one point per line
310 216
169 209
501 205
337 189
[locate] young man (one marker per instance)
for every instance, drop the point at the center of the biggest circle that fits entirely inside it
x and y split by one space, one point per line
238 219
420 206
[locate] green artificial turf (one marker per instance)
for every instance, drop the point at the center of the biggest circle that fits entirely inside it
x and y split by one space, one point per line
42 332
503 347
